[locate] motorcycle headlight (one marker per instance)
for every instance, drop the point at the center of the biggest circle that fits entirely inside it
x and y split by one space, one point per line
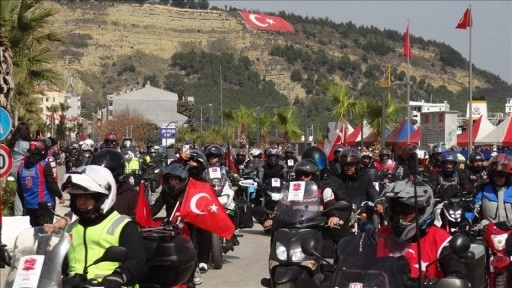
499 241
276 196
281 251
223 199
297 254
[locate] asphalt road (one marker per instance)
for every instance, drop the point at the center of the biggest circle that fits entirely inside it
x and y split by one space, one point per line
243 267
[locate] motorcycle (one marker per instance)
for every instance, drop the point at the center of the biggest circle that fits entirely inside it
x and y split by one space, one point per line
499 264
226 195
273 192
364 218
384 272
290 173
37 258
455 215
298 218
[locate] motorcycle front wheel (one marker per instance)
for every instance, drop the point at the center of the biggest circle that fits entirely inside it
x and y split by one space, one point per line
216 251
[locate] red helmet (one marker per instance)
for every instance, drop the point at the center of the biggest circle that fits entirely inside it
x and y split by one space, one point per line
110 140
500 163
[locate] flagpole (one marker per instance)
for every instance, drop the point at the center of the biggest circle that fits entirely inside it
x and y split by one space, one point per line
408 87
470 124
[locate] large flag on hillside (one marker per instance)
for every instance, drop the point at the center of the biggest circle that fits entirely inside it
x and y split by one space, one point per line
407 43
466 21
266 22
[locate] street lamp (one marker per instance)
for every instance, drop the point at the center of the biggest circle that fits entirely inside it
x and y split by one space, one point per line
201 109
258 122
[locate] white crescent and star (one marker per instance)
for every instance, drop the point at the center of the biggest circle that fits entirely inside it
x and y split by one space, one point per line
193 203
257 22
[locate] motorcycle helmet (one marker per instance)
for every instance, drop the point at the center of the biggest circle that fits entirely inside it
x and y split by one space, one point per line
255 153
475 161
178 171
437 151
353 157
272 156
128 142
400 200
338 150
447 157
384 155
214 151
110 140
37 148
198 157
288 152
366 158
111 159
317 155
500 165
306 167
91 180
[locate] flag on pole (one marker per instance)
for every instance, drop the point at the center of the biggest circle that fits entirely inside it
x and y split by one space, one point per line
407 43
143 210
466 21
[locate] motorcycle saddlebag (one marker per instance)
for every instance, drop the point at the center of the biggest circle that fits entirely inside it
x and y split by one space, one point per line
244 212
172 260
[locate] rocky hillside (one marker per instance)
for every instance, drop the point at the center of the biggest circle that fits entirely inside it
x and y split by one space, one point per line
102 37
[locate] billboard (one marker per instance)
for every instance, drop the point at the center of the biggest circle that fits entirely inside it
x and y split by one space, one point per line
438 127
168 134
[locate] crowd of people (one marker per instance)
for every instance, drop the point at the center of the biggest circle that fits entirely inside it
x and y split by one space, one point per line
103 195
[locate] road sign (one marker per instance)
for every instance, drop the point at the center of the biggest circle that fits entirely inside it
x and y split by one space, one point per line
5 161
5 123
168 133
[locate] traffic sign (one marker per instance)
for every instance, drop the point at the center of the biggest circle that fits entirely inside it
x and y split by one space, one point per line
168 133
5 161
5 123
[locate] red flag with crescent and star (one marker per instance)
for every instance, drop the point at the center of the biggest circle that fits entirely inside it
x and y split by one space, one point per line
143 210
266 22
466 21
201 207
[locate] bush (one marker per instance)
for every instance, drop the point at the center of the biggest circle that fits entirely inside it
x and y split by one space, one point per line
296 75
8 195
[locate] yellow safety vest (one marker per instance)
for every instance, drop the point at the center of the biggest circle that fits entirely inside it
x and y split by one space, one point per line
132 166
88 244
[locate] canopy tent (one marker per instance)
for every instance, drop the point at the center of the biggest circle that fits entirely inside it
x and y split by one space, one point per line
415 138
354 138
399 133
481 127
501 135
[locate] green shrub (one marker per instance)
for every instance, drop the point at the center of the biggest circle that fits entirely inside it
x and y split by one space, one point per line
8 195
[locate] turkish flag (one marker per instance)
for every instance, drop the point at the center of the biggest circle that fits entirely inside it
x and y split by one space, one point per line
340 139
466 21
407 43
201 207
229 161
266 22
143 210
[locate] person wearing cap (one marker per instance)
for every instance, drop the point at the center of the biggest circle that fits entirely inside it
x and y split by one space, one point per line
92 190
35 183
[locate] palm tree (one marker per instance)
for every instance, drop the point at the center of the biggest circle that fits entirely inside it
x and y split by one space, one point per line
264 122
287 124
25 25
63 108
372 109
344 103
6 80
241 119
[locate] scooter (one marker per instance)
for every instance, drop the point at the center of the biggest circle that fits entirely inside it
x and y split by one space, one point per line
499 263
298 218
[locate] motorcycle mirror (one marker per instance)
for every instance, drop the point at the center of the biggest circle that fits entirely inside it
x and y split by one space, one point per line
5 257
246 183
460 243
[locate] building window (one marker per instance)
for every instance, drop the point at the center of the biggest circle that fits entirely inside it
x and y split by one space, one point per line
53 99
47 99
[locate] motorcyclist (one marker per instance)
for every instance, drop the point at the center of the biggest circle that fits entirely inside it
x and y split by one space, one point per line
368 166
494 202
240 159
334 164
272 168
358 185
87 151
434 164
289 161
476 169
401 210
93 192
132 169
449 182
384 158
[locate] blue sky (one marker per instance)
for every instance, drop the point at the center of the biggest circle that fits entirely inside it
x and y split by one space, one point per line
436 20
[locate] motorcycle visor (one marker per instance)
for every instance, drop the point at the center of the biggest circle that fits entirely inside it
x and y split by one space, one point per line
301 175
398 208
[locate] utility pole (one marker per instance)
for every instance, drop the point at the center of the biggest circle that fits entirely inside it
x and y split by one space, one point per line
387 85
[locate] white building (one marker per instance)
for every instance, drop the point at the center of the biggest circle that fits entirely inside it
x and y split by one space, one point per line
419 107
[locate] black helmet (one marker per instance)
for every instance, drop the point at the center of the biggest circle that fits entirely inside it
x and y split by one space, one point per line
317 155
306 167
201 160
111 159
214 150
272 155
338 150
384 152
353 156
37 147
475 156
128 143
174 170
288 151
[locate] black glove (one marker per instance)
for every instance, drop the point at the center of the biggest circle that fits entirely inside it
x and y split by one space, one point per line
114 280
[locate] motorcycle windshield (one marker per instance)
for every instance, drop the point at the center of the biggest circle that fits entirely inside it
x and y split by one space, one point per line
214 176
300 201
37 258
274 185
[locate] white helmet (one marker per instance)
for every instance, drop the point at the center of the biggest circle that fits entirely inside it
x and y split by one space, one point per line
255 152
86 147
94 180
